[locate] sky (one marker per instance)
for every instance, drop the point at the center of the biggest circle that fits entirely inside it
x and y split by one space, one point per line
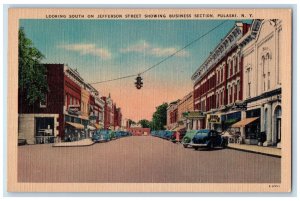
107 49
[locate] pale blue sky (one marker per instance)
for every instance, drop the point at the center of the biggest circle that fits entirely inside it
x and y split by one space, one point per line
106 49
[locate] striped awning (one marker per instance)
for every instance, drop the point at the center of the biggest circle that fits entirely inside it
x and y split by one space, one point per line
244 122
75 125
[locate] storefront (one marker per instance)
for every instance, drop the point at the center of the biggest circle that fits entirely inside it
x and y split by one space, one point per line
73 132
195 120
44 127
229 119
76 125
214 122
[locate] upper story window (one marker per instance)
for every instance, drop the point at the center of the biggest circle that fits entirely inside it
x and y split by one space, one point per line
266 72
43 103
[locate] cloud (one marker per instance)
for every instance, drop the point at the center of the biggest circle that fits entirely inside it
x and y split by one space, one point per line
152 50
87 49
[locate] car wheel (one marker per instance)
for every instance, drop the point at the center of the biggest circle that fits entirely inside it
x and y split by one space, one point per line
196 148
185 145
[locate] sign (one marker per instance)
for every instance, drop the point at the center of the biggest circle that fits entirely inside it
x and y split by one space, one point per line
74 109
214 118
239 106
194 114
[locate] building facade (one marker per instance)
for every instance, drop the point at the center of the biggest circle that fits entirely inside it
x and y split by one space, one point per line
65 113
172 115
263 65
218 83
185 106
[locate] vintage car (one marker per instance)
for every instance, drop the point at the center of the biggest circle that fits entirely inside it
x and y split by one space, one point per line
119 134
154 133
161 134
188 137
101 136
209 139
168 134
112 135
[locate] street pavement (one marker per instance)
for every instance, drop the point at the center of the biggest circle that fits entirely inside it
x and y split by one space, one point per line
143 159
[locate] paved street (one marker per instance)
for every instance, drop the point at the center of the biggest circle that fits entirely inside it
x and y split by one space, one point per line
143 159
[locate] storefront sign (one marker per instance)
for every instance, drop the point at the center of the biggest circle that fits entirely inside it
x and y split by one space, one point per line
214 118
240 106
74 109
194 114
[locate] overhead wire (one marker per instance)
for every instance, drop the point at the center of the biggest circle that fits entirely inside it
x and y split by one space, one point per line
166 58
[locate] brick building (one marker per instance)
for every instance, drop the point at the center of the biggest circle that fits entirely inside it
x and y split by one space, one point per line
218 83
65 112
172 115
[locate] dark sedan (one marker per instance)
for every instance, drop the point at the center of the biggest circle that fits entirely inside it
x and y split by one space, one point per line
209 139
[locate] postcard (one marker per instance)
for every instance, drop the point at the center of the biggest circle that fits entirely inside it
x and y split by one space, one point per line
149 100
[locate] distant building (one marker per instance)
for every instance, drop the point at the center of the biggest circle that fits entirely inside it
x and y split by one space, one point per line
172 115
185 106
139 131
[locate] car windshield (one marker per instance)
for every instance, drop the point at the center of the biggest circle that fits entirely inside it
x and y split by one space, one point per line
202 133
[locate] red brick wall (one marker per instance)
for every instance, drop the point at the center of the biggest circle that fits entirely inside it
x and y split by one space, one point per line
139 131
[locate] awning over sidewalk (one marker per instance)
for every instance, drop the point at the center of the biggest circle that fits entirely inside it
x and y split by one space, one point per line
244 122
97 126
179 128
91 127
75 125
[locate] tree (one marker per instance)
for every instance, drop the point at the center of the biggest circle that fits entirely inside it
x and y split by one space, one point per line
131 122
144 123
32 82
159 118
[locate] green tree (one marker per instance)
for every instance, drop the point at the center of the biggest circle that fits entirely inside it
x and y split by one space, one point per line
32 82
131 122
144 123
159 118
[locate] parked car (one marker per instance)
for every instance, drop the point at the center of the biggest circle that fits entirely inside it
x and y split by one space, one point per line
168 134
209 139
112 135
154 133
188 137
161 133
101 136
119 134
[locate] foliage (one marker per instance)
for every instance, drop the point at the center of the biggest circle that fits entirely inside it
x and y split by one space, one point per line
159 118
144 123
32 82
131 122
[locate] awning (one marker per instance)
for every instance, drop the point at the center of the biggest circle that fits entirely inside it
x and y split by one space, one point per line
76 125
97 126
244 122
179 128
91 127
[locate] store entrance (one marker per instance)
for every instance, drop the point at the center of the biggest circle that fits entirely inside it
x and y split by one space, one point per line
44 130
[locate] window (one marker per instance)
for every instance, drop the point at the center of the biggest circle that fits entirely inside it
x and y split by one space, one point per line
236 65
66 100
266 74
222 74
43 103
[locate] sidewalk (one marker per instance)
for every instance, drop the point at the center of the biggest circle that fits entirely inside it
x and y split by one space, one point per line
256 149
80 143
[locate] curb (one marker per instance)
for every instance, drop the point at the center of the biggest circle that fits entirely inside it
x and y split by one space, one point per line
83 145
256 152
